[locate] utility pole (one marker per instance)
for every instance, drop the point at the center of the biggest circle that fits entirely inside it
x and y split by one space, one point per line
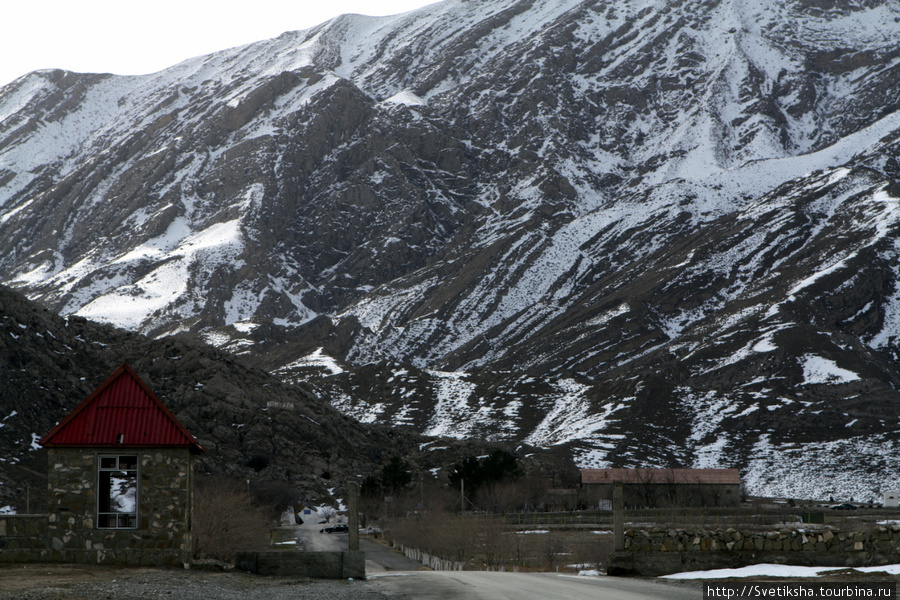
618 517
353 516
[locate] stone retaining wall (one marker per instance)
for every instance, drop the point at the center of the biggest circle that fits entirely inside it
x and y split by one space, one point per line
661 551
326 565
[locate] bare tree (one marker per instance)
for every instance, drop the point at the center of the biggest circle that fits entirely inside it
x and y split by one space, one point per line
553 548
492 539
670 479
501 497
226 520
592 550
647 483
328 512
534 492
699 498
518 550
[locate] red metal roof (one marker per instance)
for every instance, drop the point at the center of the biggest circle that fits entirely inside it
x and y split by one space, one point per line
121 413
706 476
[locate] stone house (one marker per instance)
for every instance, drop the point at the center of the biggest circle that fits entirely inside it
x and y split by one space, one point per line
120 484
657 488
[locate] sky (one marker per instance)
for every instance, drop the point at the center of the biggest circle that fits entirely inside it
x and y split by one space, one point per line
132 37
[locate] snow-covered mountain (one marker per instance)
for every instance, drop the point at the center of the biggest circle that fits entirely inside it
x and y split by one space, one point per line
651 231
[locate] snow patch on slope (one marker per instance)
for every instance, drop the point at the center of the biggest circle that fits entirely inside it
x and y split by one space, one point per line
453 416
128 305
571 416
317 359
789 470
406 98
818 370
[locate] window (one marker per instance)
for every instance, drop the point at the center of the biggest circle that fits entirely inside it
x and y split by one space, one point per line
117 492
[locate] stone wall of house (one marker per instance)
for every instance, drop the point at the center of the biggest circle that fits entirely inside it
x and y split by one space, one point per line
69 533
660 551
23 536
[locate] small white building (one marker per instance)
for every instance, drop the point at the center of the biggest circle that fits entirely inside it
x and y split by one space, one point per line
891 499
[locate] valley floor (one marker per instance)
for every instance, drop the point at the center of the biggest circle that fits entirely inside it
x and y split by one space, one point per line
89 582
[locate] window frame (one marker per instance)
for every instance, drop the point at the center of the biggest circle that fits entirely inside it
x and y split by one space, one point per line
128 465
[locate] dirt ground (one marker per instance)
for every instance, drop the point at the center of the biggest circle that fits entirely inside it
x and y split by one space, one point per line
17 579
94 582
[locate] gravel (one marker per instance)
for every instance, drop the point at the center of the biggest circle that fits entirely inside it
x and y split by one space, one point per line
78 582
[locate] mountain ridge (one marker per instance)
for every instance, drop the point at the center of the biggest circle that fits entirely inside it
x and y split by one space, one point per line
604 217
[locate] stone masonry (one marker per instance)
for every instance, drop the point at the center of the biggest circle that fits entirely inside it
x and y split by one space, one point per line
660 551
23 537
69 532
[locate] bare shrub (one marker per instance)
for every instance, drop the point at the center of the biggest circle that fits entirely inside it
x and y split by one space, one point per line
552 549
278 495
486 542
442 534
534 492
441 498
456 533
493 542
501 497
226 520
591 550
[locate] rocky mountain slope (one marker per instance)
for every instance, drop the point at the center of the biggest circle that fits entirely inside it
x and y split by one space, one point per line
252 425
657 232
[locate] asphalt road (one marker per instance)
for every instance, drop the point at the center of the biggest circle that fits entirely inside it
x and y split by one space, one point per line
480 585
398 578
381 558
311 539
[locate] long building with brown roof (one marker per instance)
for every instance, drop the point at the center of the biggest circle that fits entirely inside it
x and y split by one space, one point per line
651 488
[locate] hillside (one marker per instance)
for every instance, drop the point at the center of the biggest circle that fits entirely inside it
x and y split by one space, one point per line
252 425
643 232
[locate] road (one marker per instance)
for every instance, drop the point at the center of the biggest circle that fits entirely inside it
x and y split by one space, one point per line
310 538
380 558
398 578
481 585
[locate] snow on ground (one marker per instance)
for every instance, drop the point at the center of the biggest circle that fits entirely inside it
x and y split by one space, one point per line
770 570
223 340
359 410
